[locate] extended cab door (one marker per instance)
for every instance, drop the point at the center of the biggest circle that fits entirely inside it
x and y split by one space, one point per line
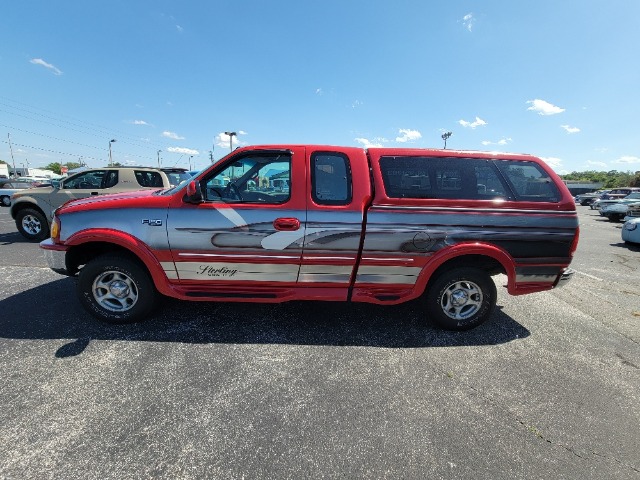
339 190
248 232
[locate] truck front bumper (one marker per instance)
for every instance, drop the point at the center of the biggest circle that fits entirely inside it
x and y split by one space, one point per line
56 256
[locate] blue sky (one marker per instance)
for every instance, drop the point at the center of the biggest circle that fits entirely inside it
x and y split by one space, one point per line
557 79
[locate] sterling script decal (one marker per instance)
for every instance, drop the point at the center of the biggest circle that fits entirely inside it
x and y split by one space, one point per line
209 271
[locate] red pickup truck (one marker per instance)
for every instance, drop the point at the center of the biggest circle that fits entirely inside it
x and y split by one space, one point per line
307 222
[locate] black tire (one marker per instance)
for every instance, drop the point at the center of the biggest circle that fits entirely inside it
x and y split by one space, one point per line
116 289
5 200
460 298
32 224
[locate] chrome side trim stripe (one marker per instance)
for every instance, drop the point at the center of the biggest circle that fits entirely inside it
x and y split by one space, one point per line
469 209
520 278
217 255
384 279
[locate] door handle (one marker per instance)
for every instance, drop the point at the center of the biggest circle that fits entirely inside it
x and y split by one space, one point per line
286 224
95 193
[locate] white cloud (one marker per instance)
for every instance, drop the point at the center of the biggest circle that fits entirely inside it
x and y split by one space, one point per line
185 151
628 159
172 135
478 122
179 28
408 135
469 21
570 129
139 122
501 142
319 91
366 143
544 108
553 162
53 68
596 164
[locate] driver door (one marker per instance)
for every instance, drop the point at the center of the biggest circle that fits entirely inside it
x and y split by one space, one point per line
249 230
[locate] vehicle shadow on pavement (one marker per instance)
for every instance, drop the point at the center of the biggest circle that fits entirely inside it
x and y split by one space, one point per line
634 247
11 238
56 314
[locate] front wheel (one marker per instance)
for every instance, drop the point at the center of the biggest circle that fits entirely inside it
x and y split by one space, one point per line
116 289
32 224
461 298
5 200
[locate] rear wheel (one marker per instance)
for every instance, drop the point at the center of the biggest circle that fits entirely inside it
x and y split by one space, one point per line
32 224
5 200
116 289
461 298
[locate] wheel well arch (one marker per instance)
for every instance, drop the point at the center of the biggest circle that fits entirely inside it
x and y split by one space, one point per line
81 254
20 206
491 261
483 262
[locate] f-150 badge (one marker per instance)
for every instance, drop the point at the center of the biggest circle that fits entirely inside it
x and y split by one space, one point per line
152 223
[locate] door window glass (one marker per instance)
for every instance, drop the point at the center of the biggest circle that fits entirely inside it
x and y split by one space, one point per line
529 181
330 179
260 178
85 180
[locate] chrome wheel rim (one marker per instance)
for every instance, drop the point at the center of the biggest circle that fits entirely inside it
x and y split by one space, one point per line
461 300
31 224
115 291
6 201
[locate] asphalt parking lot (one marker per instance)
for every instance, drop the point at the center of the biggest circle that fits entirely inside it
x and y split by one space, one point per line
549 388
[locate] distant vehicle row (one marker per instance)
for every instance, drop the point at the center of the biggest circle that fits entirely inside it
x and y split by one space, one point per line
616 205
32 209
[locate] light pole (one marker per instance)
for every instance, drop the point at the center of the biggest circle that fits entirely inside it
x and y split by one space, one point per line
231 135
110 157
159 151
445 136
190 158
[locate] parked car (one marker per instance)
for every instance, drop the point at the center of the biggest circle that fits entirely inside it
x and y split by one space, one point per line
33 210
631 231
9 188
610 197
603 205
617 211
633 211
585 199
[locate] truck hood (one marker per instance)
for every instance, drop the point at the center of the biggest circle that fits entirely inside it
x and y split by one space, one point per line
134 198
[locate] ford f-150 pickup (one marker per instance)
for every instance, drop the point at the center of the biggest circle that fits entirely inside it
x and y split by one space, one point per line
307 222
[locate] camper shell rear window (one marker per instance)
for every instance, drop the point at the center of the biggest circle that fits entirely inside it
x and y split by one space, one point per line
458 178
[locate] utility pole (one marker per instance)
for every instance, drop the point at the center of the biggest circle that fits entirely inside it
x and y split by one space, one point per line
159 158
12 159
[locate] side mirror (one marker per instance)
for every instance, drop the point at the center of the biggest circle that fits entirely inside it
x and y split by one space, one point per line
194 194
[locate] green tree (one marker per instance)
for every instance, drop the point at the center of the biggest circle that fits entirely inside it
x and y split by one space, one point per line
56 166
